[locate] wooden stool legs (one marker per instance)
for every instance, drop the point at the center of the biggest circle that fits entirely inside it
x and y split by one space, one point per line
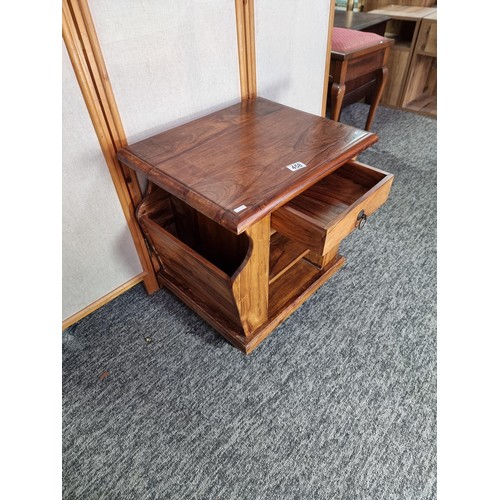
381 80
337 93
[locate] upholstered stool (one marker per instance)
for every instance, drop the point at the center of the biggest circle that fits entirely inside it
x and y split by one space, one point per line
358 69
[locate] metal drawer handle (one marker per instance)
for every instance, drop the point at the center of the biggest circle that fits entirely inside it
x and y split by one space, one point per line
361 220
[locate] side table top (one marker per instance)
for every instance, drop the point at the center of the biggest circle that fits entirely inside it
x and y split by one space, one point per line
240 163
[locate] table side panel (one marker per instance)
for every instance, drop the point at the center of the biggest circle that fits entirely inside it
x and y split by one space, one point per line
204 280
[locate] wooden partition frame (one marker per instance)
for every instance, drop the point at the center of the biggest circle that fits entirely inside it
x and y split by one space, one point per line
245 27
328 57
86 57
83 47
245 24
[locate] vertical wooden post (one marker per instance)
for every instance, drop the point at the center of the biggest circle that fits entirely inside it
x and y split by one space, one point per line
245 27
86 57
251 286
328 57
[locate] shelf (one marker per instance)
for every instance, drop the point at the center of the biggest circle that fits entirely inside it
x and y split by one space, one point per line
424 104
401 45
284 290
421 88
284 253
414 31
405 12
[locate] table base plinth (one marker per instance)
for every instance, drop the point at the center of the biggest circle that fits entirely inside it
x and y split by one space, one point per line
278 312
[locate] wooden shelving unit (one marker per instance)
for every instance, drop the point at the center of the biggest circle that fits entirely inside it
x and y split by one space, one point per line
412 64
420 93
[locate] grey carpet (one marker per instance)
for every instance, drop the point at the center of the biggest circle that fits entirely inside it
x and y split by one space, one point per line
338 403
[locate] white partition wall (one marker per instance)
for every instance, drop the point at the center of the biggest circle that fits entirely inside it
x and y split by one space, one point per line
290 39
168 61
98 252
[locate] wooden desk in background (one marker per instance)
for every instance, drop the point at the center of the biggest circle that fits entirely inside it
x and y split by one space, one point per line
246 208
360 21
412 80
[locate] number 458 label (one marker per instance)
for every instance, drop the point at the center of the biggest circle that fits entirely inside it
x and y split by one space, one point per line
296 166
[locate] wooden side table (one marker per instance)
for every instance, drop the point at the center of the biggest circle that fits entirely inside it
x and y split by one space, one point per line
246 208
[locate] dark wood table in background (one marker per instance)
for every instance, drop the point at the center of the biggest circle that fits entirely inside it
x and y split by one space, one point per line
246 208
360 21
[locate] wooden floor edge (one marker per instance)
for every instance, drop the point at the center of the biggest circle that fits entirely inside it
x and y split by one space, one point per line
102 301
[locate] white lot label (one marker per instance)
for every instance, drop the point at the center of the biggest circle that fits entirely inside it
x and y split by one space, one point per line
240 208
296 166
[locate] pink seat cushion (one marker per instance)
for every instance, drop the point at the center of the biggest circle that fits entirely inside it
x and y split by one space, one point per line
346 40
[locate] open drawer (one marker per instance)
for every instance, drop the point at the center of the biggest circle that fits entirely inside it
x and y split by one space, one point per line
322 216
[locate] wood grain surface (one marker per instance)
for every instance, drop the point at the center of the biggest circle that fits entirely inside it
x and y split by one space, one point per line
251 284
238 157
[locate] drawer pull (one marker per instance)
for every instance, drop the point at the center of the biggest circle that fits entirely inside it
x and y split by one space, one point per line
361 220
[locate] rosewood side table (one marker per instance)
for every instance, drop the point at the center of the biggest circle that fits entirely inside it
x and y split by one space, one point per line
246 207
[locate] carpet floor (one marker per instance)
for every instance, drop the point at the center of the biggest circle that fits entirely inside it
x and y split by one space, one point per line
338 403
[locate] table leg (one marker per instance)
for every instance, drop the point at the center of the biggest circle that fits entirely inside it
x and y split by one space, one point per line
323 260
251 285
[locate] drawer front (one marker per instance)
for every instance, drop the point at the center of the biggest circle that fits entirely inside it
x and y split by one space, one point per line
365 64
321 217
366 205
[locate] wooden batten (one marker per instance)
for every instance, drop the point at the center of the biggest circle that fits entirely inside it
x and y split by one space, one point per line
328 57
86 57
102 301
245 27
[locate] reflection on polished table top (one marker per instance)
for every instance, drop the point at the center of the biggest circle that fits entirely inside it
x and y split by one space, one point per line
239 156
